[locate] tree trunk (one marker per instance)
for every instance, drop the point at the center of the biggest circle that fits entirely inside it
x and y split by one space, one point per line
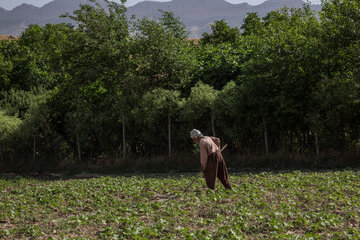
34 148
317 144
123 137
266 138
169 133
78 143
1 155
213 124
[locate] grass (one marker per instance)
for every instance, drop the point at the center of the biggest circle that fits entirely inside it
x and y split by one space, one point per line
285 205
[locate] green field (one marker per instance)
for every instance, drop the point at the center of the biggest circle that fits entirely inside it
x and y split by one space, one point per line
286 205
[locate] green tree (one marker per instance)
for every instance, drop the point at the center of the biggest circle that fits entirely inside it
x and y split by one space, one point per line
339 86
9 126
281 73
160 58
95 64
47 42
173 24
252 25
198 108
155 106
161 55
5 71
221 33
20 69
217 65
237 118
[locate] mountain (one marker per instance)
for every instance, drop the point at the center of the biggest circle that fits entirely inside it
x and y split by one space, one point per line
24 11
199 14
58 7
196 14
15 21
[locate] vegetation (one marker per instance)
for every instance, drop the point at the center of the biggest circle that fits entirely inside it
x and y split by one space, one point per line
118 88
285 205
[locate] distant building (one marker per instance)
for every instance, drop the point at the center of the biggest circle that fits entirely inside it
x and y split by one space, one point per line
5 37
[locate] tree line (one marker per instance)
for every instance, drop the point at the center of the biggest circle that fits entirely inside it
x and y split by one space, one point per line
126 88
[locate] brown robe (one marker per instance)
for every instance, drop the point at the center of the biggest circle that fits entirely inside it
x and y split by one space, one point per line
216 167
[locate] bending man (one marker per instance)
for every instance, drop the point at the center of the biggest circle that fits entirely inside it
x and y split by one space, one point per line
211 159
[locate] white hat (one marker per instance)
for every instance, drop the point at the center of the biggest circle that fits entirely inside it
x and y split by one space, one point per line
196 133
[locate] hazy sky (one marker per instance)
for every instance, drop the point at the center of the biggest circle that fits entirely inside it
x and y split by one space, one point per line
10 4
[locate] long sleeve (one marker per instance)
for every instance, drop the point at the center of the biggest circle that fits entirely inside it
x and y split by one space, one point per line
203 155
208 145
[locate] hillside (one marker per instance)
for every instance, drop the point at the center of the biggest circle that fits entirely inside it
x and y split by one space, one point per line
196 14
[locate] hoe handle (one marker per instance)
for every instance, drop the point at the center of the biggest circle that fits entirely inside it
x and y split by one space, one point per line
196 177
223 147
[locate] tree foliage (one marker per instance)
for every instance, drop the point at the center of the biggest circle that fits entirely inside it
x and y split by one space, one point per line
221 33
284 83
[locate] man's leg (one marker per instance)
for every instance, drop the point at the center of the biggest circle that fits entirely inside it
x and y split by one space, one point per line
222 173
211 171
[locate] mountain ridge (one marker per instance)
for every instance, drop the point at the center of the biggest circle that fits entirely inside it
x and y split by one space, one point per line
196 14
